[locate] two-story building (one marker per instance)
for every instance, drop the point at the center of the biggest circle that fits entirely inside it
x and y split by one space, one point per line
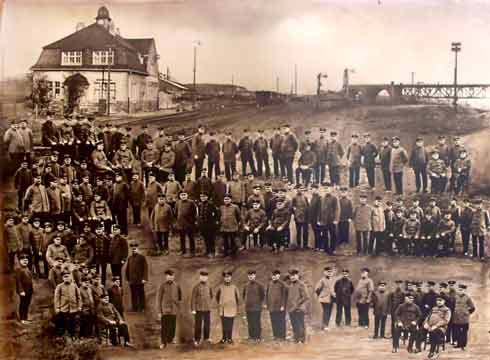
95 64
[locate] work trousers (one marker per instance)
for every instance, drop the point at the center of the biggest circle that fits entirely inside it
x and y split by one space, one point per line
343 308
229 243
169 322
297 319
363 313
371 175
421 178
202 325
302 235
254 326
386 178
278 322
354 174
24 303
263 162
461 334
192 243
162 240
227 327
398 180
137 297
379 325
327 313
362 241
478 242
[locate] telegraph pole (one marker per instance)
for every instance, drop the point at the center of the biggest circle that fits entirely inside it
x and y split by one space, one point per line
296 79
455 47
413 77
277 84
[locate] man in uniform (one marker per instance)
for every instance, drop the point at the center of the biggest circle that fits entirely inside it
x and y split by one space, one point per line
169 300
275 144
260 148
230 151
463 308
289 146
246 153
297 300
137 276
183 158
198 150
253 298
407 316
335 152
369 153
436 324
276 299
201 302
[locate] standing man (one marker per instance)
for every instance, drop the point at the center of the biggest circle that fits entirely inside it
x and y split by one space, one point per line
289 146
67 305
36 200
385 160
380 310
328 219
335 153
230 151
24 287
362 218
246 153
120 202
398 160
363 297
344 288
230 220
419 158
320 147
228 299
345 217
354 155
198 150
480 222
186 216
169 299
137 276
253 298
201 299
395 298
260 148
140 142
325 290
463 308
276 298
369 154
208 223
212 152
118 251
275 144
297 299
14 143
183 158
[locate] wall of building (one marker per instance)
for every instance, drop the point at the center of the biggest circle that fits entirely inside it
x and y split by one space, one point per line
142 90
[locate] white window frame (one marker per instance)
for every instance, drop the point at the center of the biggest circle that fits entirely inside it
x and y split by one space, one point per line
71 58
57 89
103 57
97 89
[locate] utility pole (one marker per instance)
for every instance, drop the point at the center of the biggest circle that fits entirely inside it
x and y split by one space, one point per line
455 47
196 44
232 86
277 84
109 80
295 79
413 77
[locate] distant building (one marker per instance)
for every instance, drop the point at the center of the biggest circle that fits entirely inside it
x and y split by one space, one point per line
171 92
102 62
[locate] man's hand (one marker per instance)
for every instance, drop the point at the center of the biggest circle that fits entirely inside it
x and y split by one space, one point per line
22 293
143 281
282 308
193 312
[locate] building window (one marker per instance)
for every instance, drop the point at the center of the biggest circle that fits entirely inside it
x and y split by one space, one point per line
71 58
100 89
103 57
57 88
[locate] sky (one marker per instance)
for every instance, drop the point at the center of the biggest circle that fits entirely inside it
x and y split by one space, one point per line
257 41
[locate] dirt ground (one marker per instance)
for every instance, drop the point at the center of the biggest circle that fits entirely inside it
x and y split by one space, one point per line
406 122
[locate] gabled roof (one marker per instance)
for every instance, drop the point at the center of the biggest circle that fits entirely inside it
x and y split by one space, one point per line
94 36
172 84
142 45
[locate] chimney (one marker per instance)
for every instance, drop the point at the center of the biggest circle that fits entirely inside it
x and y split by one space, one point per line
80 26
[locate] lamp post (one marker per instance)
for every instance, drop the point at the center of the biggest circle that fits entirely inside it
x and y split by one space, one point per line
455 47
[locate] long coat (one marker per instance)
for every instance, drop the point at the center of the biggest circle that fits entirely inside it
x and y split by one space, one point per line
463 308
169 298
118 249
161 218
186 212
228 299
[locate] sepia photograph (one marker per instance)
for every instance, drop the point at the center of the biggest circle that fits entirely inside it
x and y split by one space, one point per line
244 179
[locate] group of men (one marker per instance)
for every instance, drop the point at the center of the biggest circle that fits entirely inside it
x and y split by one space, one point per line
432 317
74 201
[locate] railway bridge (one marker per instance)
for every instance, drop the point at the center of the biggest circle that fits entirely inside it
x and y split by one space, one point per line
367 93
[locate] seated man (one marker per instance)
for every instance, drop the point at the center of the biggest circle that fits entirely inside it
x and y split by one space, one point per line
436 325
109 318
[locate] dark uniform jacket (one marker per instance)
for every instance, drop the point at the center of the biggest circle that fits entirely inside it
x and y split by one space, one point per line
297 297
343 288
107 313
289 146
212 150
395 299
202 297
407 313
246 148
260 147
136 269
275 144
335 153
186 212
208 218
253 296
369 152
23 280
230 149
118 249
101 249
169 298
116 298
120 199
276 296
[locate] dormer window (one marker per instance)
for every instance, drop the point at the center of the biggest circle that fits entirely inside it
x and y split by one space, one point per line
103 57
71 58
